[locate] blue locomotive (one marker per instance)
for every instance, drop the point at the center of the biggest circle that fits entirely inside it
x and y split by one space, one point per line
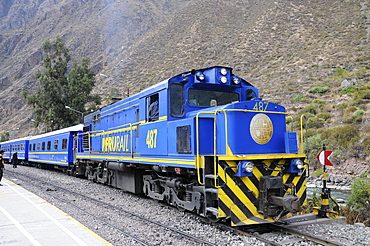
202 141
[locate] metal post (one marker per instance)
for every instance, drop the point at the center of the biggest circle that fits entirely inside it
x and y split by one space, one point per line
325 192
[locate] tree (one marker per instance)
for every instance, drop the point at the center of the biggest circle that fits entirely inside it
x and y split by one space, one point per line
61 87
4 137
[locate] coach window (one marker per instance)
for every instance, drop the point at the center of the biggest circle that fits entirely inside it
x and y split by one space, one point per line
56 144
38 146
34 147
64 143
176 100
153 107
43 146
49 145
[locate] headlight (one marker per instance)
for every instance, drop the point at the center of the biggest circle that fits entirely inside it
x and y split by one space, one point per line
299 164
295 166
199 76
223 71
223 79
245 169
236 80
248 166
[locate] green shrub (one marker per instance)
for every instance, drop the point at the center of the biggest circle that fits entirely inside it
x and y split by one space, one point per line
364 174
315 122
342 106
313 202
341 136
319 102
299 97
359 102
318 173
348 90
319 89
312 109
352 119
313 146
114 93
325 115
340 72
361 72
366 144
362 93
358 113
4 137
358 201
351 109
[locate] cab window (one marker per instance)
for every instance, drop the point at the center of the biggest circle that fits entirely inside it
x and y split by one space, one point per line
176 100
250 95
211 98
152 108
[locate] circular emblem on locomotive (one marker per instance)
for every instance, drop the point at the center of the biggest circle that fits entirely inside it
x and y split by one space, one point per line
261 128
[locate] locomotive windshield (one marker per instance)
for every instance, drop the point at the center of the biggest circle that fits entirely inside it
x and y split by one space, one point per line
211 98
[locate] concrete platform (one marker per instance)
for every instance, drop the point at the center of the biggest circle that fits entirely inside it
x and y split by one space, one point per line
26 219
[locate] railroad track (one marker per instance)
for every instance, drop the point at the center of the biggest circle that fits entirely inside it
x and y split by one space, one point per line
310 237
282 229
106 213
137 230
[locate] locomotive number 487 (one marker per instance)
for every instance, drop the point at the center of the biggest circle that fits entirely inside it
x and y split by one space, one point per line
260 106
151 139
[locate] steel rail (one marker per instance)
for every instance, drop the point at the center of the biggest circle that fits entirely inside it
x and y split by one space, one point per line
313 238
237 231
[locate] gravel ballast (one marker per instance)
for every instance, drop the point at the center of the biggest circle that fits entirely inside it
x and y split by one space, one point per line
342 233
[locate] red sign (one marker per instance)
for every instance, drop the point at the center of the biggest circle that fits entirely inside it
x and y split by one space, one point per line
323 157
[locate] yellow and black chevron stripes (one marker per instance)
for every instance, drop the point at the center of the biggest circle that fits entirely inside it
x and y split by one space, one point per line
238 197
300 184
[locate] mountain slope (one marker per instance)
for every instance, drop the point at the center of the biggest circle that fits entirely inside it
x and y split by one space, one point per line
283 47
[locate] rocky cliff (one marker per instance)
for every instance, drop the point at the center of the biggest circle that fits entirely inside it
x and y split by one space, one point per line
284 47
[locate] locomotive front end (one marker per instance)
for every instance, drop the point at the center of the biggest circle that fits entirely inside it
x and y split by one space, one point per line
248 163
261 176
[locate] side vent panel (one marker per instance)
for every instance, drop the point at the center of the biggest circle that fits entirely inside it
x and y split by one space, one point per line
183 139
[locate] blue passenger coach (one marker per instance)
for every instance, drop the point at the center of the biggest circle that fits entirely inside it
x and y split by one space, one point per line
16 145
202 141
54 149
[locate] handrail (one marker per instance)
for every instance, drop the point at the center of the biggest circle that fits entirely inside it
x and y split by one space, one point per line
215 163
197 157
301 122
131 142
